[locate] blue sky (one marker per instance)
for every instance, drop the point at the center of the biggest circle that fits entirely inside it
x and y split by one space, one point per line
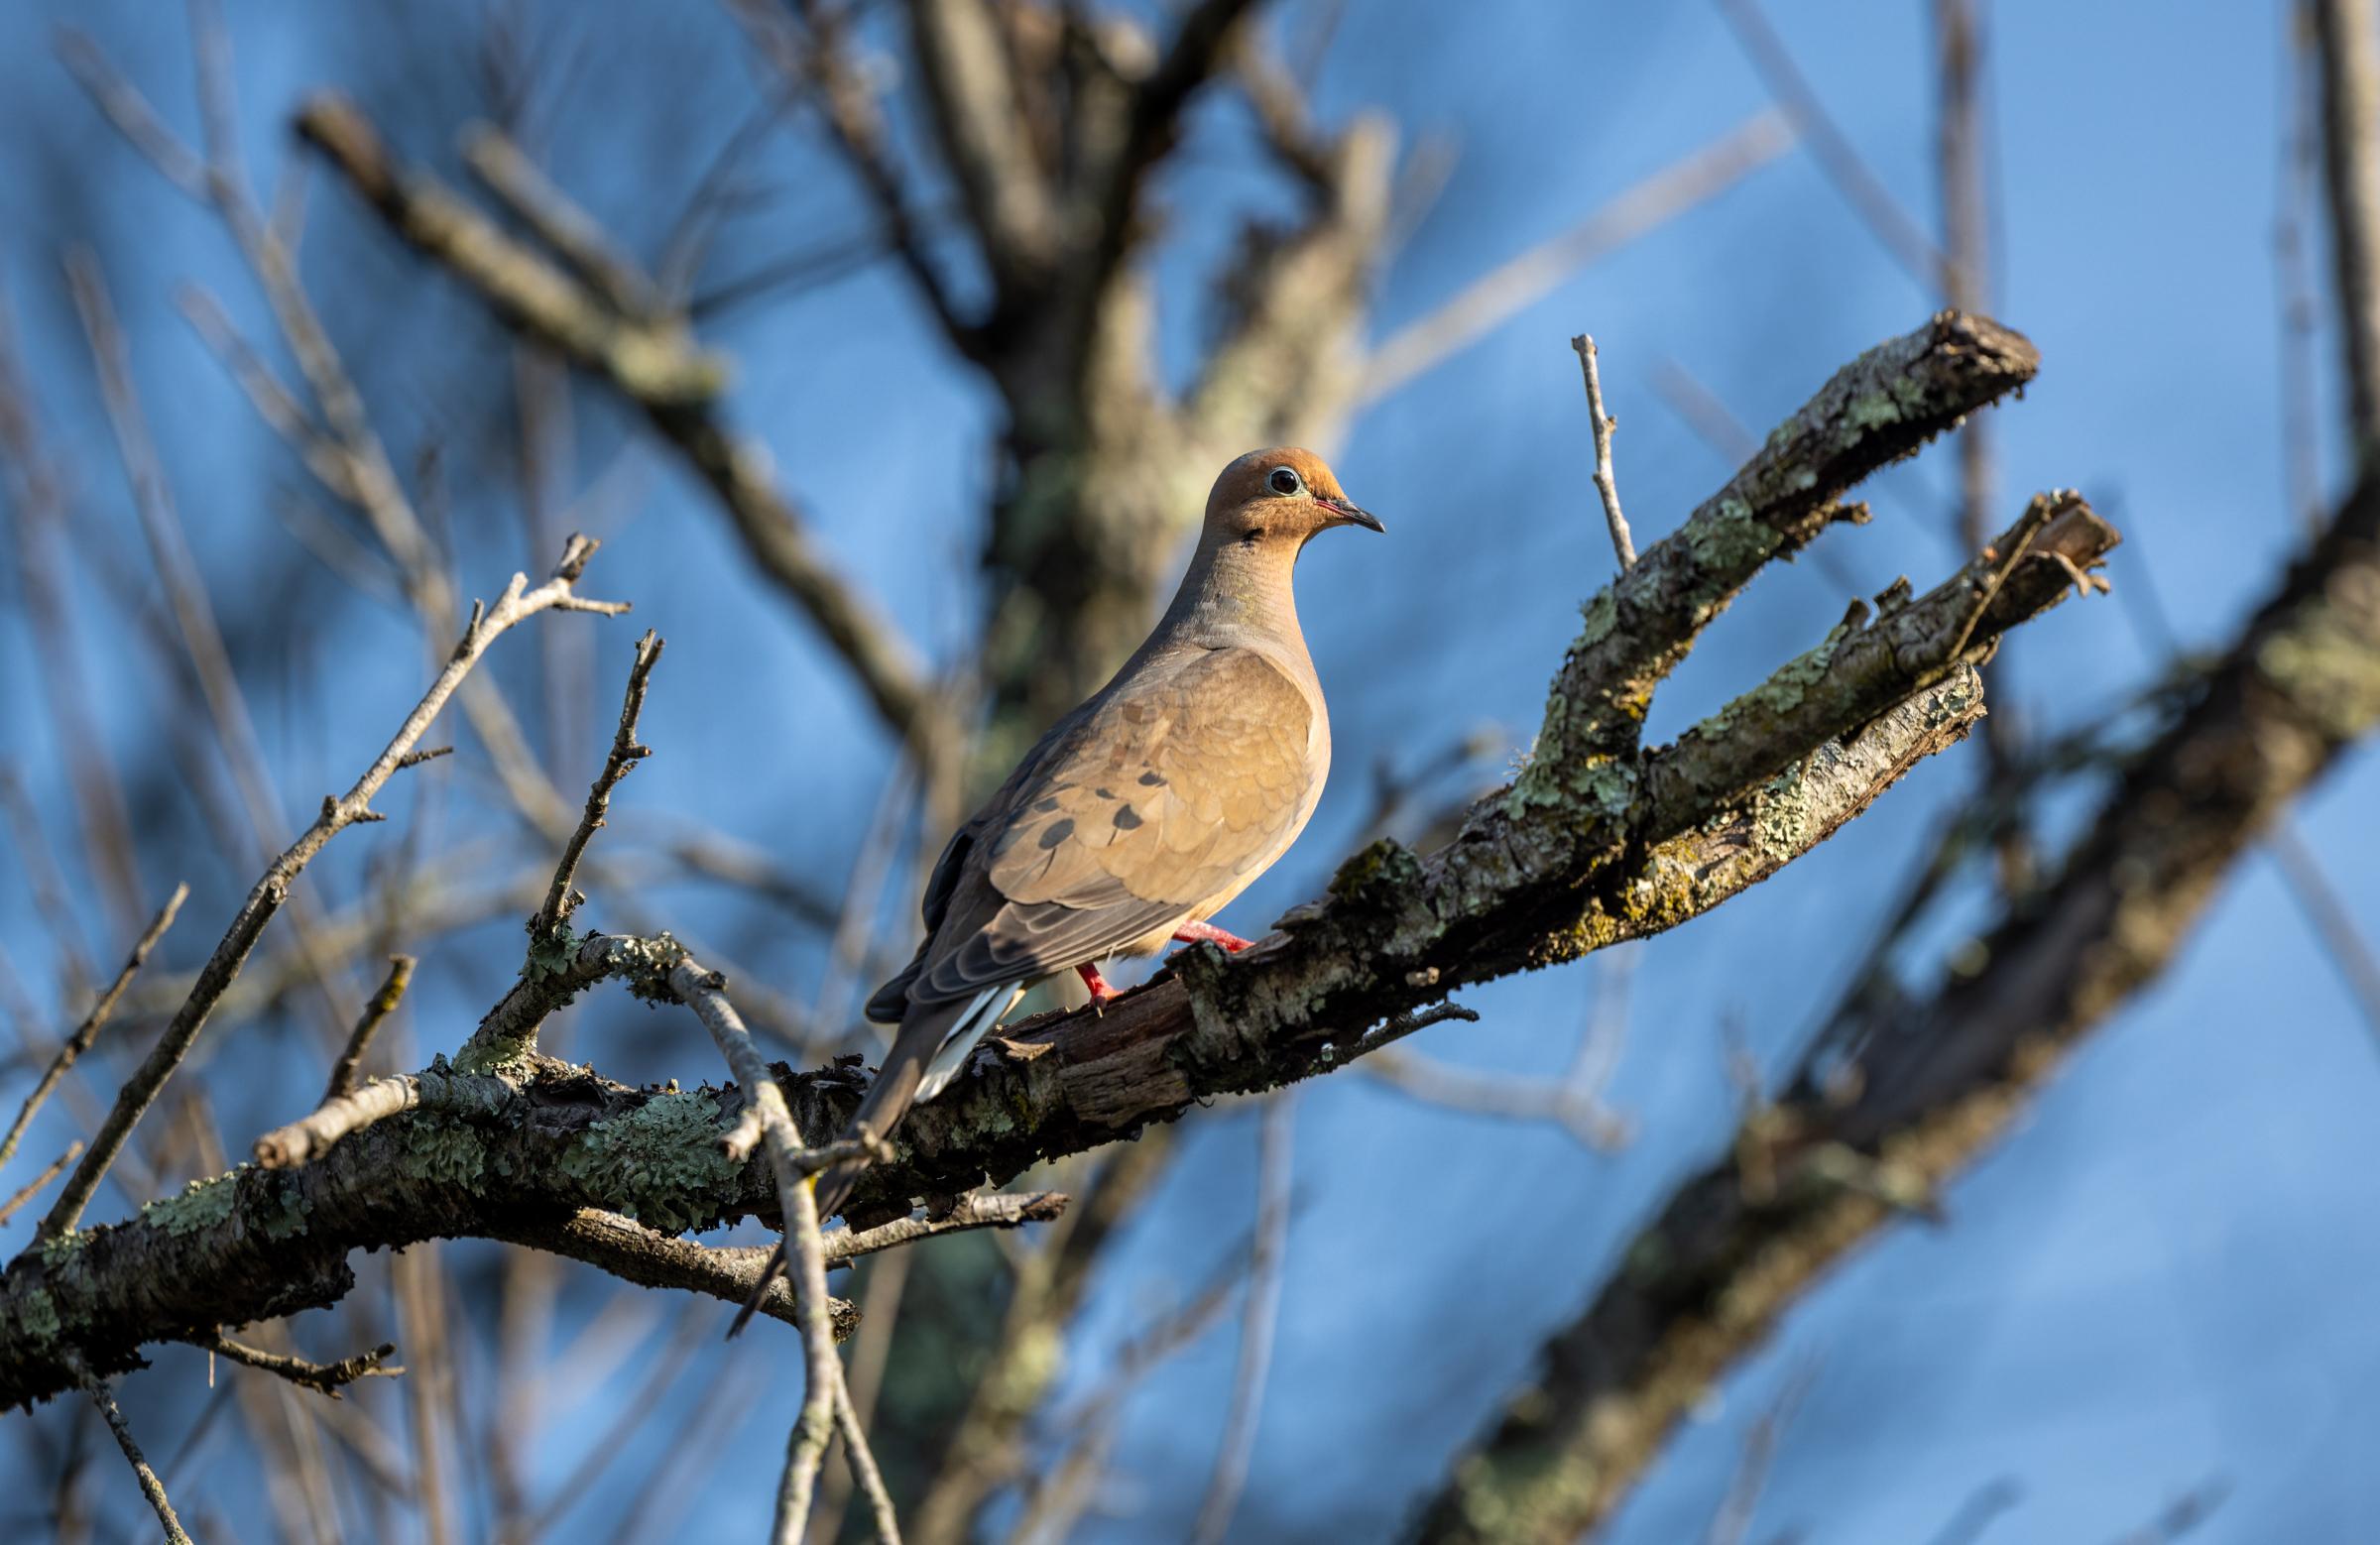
2156 1281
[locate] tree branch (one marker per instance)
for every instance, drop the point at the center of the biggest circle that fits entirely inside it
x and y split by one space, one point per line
661 371
1566 862
517 603
1905 1094
326 1378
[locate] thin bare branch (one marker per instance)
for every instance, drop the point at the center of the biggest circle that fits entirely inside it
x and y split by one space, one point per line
1732 1522
1259 1321
975 1210
2347 38
40 513
375 1012
1505 291
558 222
561 898
85 1034
824 1399
33 1188
1607 483
517 604
1836 156
635 1252
153 1489
326 1378
660 369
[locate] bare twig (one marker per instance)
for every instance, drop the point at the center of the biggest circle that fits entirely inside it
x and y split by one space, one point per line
626 753
1966 285
635 1252
1260 1319
818 67
557 222
37 863
1506 289
193 613
517 603
89 1031
40 513
349 459
661 372
978 1210
824 1397
861 1460
326 1378
2294 272
1606 484
864 1376
1575 1102
419 1291
2348 44
2334 925
104 1398
32 1188
1836 156
673 1360
169 546
384 1002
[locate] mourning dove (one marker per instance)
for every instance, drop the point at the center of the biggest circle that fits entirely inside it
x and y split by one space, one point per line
1141 813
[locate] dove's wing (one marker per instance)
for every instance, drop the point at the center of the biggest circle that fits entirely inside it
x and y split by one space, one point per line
1164 801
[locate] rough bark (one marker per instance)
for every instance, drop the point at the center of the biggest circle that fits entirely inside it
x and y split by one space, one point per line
1932 1083
1583 851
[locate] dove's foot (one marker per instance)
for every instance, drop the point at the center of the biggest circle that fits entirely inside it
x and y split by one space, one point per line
1208 933
1100 993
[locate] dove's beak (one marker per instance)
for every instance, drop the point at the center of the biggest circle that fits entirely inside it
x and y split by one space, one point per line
1352 515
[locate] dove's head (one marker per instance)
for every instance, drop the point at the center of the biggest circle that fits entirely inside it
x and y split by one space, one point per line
1275 497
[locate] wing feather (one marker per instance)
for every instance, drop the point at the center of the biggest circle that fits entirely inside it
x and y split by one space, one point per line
1177 787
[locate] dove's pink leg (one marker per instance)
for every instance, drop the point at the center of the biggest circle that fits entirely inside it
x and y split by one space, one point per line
1100 990
1208 933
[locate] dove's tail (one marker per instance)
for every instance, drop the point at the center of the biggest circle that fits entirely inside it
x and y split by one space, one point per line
928 1050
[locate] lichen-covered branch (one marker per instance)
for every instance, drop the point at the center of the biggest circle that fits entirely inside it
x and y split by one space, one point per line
517 603
1897 1096
262 1242
1569 860
1882 407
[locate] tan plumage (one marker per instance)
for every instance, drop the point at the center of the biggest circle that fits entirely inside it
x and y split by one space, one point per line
1145 809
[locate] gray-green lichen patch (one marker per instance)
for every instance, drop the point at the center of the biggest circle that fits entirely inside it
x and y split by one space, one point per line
40 1318
202 1203
1784 816
283 1217
553 953
59 1251
1727 543
662 1163
646 963
1597 618
444 1153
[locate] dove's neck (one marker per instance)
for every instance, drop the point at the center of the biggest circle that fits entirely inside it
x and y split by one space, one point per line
1236 593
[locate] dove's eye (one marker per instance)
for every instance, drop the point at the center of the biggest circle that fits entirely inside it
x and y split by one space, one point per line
1285 481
